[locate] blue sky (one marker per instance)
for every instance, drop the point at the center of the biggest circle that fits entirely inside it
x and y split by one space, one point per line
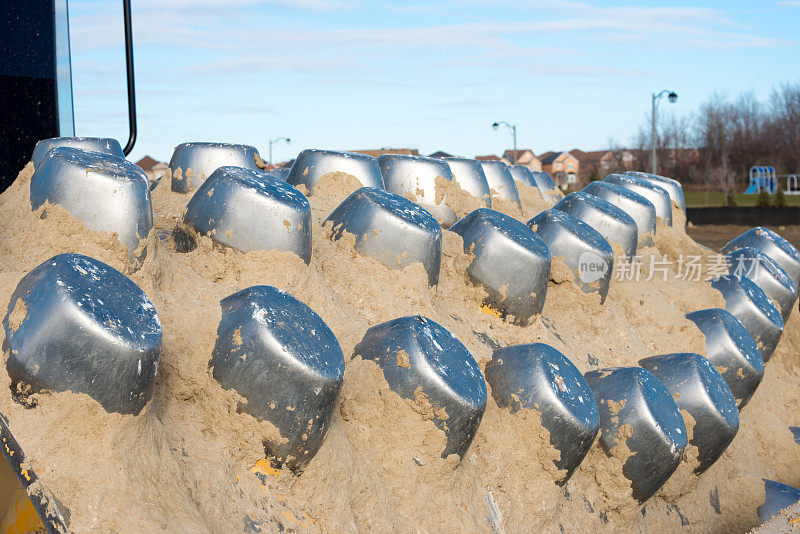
347 74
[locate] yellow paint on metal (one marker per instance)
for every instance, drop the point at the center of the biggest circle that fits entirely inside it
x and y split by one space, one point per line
20 517
262 466
489 310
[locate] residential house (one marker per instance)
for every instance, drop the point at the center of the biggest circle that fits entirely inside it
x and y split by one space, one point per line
490 157
152 168
595 164
627 159
440 154
525 157
563 167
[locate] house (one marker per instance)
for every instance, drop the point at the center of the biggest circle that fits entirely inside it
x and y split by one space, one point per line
595 164
525 157
627 159
440 154
375 152
490 157
152 168
562 166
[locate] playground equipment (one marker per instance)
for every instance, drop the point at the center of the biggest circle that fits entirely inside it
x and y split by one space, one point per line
762 179
791 185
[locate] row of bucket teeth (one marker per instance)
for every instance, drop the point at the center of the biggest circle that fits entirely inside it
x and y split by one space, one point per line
280 356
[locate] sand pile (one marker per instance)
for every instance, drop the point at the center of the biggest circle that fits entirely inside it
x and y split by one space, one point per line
190 462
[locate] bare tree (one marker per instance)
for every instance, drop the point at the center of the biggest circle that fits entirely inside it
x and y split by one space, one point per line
716 146
784 116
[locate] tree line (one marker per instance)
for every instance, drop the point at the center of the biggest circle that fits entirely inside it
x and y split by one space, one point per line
714 147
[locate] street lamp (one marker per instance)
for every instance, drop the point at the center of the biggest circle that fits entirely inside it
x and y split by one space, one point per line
672 96
272 142
513 128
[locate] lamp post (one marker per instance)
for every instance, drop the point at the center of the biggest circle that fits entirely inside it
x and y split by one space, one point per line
272 142
672 96
513 128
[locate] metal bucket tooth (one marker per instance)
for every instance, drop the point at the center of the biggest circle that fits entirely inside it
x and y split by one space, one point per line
104 145
391 229
767 275
417 355
248 210
416 176
198 160
280 173
539 179
584 250
313 164
500 181
547 187
753 307
777 496
469 175
537 377
634 405
771 244
104 192
732 351
522 174
656 194
77 324
635 205
701 391
610 221
279 355
511 262
673 187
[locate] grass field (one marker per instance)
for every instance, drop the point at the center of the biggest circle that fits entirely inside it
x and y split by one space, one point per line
700 199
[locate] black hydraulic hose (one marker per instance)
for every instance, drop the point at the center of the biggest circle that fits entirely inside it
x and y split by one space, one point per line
126 8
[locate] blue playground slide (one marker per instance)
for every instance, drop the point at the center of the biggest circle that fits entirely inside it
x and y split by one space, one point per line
761 179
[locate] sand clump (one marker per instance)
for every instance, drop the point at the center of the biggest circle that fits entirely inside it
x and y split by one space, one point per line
193 462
